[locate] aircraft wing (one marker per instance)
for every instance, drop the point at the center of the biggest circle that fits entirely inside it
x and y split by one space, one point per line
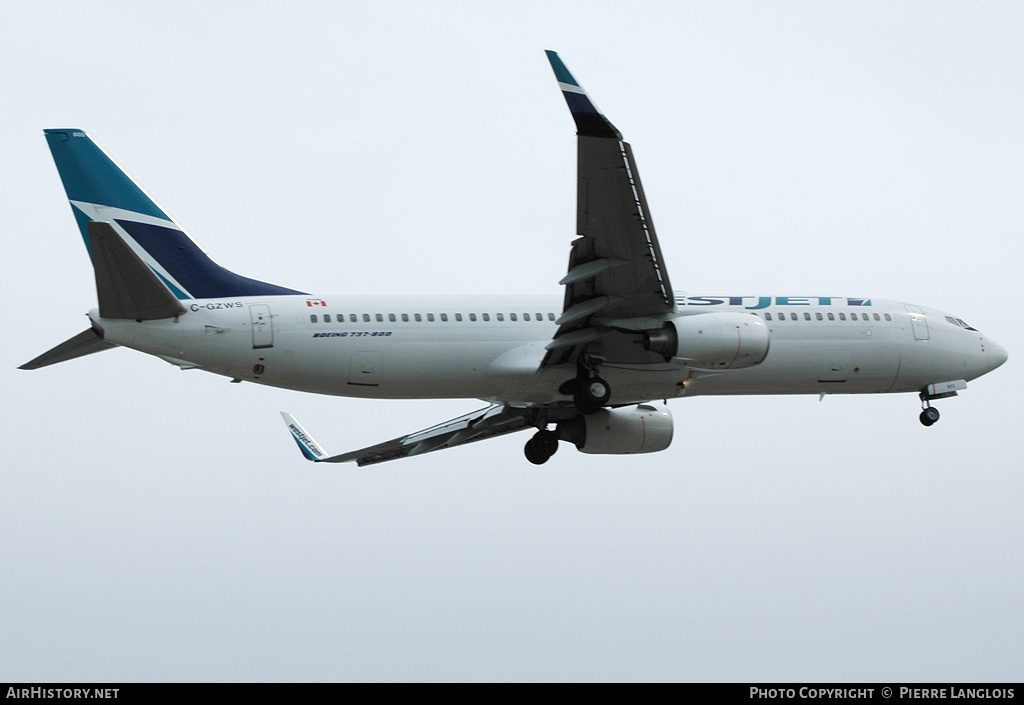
616 270
495 420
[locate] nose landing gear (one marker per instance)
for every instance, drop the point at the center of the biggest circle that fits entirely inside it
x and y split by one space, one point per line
929 415
940 390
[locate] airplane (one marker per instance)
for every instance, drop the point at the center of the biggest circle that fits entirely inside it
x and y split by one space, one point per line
595 369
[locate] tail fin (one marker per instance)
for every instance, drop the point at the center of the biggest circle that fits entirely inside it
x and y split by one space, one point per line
100 191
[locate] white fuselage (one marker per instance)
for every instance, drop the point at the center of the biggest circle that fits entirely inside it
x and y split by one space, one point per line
491 347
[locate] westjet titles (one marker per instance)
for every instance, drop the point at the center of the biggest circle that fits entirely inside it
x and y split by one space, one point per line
760 302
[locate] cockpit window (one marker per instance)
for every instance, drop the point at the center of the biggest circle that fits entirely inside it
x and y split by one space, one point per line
960 323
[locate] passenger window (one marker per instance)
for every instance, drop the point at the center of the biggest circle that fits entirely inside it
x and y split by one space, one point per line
312 318
767 316
842 316
430 317
831 316
486 316
472 316
391 317
877 318
501 316
419 318
352 317
366 318
807 316
458 316
551 316
327 318
512 317
818 315
526 316
540 316
405 318
888 317
379 317
793 317
444 317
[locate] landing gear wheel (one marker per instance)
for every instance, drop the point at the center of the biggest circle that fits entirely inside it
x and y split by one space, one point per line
591 394
541 447
929 416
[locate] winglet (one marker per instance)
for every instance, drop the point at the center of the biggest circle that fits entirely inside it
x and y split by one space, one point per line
309 447
589 120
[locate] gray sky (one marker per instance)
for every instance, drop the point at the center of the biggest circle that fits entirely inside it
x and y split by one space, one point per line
161 525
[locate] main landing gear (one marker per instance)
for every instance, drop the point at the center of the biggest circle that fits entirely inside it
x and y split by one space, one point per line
541 447
589 392
589 395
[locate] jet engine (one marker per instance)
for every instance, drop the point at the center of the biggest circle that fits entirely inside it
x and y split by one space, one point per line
645 428
712 341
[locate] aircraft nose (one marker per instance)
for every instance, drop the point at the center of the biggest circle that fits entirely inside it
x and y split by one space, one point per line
997 355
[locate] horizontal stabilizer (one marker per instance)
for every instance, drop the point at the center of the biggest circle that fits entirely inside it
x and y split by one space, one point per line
125 285
85 343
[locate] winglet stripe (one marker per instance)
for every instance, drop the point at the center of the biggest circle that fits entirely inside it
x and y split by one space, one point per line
590 122
561 72
311 450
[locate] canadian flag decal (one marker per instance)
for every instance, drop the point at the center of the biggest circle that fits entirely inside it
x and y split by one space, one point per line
315 302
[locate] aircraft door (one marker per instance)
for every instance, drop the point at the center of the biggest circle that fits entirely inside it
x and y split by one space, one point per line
918 321
262 326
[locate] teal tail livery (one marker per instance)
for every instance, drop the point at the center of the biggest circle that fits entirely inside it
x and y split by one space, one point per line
145 264
593 362
101 192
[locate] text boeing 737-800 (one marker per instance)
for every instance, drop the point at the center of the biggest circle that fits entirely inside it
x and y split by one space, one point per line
586 370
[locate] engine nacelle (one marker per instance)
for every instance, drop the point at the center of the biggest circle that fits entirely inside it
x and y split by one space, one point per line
712 341
645 428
